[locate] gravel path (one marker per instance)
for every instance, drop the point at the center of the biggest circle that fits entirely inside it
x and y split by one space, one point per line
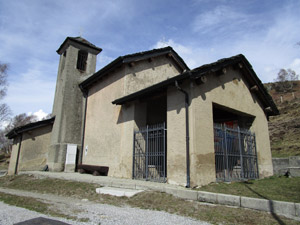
11 214
97 213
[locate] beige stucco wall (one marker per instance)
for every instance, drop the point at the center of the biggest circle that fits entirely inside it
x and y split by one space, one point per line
13 156
228 90
109 128
68 106
33 151
176 137
146 73
102 131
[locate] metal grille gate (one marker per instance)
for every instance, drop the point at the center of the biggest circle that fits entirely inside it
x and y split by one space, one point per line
149 153
235 154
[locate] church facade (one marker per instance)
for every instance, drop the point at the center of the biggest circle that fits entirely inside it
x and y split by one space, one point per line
148 116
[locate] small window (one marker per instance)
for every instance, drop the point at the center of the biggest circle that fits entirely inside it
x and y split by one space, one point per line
81 60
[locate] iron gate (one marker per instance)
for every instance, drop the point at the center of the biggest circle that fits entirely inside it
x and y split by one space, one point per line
235 154
149 153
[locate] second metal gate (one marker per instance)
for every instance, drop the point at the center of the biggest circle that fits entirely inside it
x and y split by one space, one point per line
149 153
235 154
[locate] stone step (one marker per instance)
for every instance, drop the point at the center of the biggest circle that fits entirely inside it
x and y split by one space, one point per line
294 171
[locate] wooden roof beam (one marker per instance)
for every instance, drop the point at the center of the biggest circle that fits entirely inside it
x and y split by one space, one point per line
221 72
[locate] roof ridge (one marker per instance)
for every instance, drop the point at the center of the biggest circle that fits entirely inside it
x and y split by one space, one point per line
79 40
133 58
147 52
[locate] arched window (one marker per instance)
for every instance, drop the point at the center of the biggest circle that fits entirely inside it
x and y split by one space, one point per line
81 60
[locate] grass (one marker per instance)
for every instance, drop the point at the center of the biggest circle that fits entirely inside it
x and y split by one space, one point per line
33 205
275 188
3 165
284 149
145 200
50 186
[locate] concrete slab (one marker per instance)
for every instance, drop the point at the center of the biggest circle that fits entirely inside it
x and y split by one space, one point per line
182 193
120 184
187 194
294 171
119 192
231 200
284 208
204 196
255 203
297 209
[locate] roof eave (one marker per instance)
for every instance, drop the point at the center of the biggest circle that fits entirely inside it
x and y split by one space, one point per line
18 130
59 50
147 91
132 58
194 74
99 74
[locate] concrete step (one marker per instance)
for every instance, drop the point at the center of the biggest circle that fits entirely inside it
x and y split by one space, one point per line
117 191
294 171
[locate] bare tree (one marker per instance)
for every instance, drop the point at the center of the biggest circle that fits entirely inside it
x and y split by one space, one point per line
4 109
285 80
3 79
21 120
16 121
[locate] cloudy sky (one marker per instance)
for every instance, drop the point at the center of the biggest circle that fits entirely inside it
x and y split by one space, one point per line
201 31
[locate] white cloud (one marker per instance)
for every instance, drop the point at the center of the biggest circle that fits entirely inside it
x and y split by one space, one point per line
39 114
191 56
220 18
295 65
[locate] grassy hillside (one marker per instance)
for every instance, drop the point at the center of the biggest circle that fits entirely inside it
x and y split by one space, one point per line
285 128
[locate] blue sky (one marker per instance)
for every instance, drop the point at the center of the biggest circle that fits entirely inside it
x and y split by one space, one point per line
201 31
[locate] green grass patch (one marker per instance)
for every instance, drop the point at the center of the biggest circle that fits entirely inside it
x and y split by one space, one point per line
273 188
33 205
145 200
213 214
3 165
50 186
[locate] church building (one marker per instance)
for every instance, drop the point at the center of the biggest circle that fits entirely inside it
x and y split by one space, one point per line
148 116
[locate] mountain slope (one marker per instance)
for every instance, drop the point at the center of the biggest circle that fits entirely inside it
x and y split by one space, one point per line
285 128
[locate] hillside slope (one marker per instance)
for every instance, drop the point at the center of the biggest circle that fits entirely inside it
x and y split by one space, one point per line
285 128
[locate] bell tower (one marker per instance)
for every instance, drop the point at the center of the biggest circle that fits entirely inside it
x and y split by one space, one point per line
77 62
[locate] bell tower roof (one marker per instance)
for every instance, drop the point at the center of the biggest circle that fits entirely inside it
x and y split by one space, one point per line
75 41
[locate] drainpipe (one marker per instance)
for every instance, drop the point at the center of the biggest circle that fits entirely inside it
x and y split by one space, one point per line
18 155
187 133
85 95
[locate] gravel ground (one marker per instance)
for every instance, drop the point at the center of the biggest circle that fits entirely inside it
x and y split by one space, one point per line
11 214
96 213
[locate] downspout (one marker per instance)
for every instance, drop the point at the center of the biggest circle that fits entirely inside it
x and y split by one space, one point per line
187 133
18 155
85 95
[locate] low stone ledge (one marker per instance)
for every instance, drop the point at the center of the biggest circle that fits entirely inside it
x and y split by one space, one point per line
288 209
297 209
255 203
122 185
204 196
231 200
283 208
187 194
171 191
